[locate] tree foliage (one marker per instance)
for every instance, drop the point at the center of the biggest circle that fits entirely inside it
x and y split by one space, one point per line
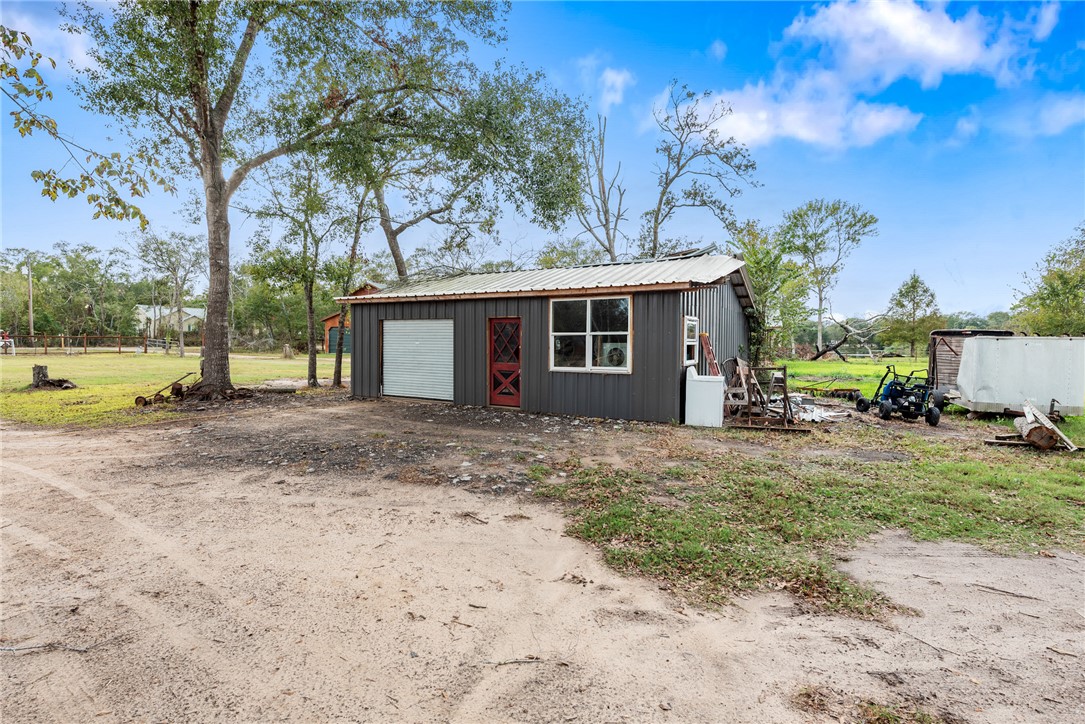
570 252
698 166
179 259
107 181
1053 301
306 220
913 314
823 234
221 88
504 140
779 288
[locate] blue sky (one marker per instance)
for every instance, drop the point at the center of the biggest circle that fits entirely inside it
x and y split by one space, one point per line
962 127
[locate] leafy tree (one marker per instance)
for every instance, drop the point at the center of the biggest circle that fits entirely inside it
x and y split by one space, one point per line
600 211
913 314
451 257
779 288
105 179
1053 301
699 167
311 218
179 258
343 272
505 139
823 234
222 88
571 252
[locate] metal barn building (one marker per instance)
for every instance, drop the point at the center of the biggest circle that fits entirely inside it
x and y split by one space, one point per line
606 340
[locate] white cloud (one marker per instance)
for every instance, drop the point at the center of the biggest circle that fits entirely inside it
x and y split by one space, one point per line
811 111
863 47
1048 18
1057 112
67 49
609 83
1048 115
718 49
877 43
966 128
612 85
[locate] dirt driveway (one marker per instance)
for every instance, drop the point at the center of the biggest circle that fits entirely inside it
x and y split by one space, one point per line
385 561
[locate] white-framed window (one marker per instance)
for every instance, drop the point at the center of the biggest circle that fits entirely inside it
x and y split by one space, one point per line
691 342
591 335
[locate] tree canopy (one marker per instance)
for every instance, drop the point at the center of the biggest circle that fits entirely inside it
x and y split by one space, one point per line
221 88
913 314
1053 301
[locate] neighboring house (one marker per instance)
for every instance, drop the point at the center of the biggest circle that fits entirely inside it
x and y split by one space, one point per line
155 320
606 340
331 322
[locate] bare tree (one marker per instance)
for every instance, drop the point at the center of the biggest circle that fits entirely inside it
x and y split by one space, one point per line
179 258
699 166
601 211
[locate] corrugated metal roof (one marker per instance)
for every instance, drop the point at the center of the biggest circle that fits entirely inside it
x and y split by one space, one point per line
664 273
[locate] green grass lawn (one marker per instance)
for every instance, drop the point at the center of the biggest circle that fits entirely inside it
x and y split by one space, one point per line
862 373
713 525
109 383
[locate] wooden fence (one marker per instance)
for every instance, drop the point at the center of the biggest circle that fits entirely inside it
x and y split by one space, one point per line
82 344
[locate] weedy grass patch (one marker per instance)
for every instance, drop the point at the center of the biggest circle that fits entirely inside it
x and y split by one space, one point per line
715 525
109 383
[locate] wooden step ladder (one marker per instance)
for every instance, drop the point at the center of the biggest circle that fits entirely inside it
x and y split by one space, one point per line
710 355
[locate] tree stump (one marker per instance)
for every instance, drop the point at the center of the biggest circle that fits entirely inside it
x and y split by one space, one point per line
40 376
288 352
40 380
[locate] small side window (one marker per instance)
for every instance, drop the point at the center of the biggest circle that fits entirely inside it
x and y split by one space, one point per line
691 341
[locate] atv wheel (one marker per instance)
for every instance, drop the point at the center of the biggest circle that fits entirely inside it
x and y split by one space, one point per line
885 409
862 404
933 416
938 399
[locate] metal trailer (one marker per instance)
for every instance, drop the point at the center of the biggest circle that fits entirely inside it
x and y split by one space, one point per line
946 346
997 374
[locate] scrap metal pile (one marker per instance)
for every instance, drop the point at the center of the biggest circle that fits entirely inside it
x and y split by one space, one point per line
746 404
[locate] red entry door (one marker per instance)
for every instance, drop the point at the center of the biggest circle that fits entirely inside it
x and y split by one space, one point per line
505 362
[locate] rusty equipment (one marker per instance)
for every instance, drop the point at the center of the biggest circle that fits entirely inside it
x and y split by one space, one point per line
176 390
746 405
824 388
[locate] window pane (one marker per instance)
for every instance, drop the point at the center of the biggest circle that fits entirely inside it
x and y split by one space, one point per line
569 316
610 315
569 351
610 350
691 353
691 330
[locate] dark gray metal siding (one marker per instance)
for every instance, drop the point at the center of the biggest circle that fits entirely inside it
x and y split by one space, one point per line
652 391
721 315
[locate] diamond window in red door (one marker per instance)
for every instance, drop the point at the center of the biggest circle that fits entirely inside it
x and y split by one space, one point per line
505 362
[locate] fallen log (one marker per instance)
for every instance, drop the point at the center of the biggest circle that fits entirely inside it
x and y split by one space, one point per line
1035 433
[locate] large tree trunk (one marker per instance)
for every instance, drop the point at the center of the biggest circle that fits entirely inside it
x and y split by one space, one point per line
216 359
310 320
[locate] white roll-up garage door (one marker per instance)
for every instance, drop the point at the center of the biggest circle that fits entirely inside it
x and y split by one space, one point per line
417 358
